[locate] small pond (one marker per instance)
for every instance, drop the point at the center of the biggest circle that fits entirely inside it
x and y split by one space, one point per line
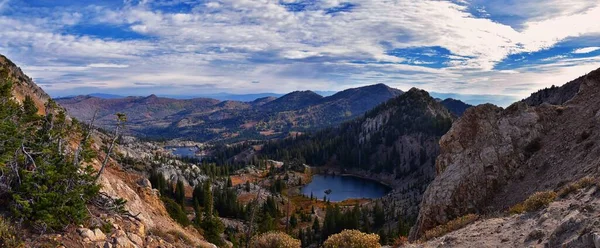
343 187
183 151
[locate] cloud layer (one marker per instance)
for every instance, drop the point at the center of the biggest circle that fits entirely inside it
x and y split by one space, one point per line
248 46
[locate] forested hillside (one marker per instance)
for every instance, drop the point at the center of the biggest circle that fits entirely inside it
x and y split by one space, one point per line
374 142
396 142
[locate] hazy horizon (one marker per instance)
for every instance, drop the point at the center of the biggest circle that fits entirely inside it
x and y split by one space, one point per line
499 100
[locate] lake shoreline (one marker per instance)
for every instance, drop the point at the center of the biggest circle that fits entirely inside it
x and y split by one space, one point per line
356 188
360 174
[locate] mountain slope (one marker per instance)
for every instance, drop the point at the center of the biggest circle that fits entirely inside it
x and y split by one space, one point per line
23 85
205 119
48 190
396 142
493 158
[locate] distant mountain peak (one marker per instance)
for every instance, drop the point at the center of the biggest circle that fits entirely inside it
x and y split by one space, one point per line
302 93
294 100
455 106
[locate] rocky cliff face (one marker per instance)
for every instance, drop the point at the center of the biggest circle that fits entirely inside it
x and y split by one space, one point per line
493 158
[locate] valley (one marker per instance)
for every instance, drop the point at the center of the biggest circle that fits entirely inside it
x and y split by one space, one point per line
413 170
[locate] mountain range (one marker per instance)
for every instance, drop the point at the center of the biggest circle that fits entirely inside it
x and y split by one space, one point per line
485 176
204 119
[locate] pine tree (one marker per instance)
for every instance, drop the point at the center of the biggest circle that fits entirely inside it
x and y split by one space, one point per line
198 194
180 193
293 221
208 200
316 229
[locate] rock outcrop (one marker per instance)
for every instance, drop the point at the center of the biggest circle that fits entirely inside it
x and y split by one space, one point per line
493 158
567 222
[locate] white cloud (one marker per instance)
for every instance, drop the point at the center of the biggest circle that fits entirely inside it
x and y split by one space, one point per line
107 65
227 42
586 50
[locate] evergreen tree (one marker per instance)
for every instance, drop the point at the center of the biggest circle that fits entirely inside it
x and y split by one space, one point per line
316 229
180 193
378 215
247 186
45 185
293 221
198 194
208 200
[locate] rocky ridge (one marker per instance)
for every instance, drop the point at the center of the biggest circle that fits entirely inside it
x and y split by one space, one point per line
493 158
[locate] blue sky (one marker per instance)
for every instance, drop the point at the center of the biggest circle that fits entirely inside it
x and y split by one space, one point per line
493 50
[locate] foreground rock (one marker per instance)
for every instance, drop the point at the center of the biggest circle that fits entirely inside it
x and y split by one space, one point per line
570 222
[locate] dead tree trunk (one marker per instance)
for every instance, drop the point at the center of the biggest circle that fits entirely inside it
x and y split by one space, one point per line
121 119
107 158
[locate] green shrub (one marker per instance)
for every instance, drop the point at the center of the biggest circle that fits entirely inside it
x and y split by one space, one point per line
213 228
539 200
8 235
178 235
352 239
274 240
48 189
518 208
572 187
452 225
175 211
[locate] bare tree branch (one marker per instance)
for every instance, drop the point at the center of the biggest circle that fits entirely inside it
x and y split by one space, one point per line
29 156
121 119
107 158
90 129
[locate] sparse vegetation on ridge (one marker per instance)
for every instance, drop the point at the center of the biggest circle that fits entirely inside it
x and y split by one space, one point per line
535 202
572 187
452 225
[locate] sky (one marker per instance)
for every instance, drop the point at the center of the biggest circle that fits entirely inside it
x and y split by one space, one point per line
497 51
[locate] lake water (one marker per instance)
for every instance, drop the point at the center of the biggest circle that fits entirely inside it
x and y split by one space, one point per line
183 151
343 187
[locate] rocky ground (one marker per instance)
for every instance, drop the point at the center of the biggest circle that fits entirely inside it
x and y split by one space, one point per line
573 221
